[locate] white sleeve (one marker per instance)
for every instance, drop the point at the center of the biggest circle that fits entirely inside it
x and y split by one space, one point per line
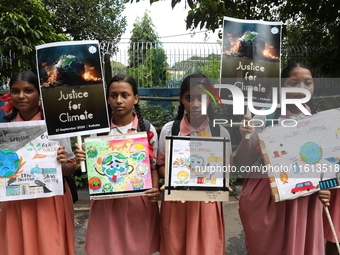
154 142
68 148
166 131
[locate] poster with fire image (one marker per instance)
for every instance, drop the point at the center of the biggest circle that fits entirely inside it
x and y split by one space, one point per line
251 59
72 88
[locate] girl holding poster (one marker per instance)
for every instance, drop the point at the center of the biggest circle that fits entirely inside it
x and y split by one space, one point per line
286 227
191 227
44 225
125 225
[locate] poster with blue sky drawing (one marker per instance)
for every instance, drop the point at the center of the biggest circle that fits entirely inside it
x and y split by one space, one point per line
302 156
197 168
28 162
118 165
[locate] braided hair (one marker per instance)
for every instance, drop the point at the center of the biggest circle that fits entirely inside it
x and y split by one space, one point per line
29 77
184 87
129 79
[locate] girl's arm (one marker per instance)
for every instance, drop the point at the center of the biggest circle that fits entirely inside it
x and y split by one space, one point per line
245 153
161 171
153 193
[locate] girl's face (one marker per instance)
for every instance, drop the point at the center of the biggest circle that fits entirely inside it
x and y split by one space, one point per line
191 100
299 78
25 97
121 98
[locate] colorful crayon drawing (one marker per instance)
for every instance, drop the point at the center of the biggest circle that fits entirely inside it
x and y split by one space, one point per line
312 159
118 165
29 167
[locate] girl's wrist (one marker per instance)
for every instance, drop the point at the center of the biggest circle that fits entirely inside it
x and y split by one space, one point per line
64 169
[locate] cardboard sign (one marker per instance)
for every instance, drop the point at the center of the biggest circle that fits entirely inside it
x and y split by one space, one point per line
197 169
29 167
72 88
303 159
118 165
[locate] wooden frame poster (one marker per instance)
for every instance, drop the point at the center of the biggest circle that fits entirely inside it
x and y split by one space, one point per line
303 158
118 165
196 169
72 88
29 167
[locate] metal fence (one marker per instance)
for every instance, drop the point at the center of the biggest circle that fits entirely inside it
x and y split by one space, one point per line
166 64
162 64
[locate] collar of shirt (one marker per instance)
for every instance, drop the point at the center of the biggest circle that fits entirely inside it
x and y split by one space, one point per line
187 129
36 117
133 127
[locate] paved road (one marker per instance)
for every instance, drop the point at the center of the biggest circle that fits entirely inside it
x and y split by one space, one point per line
234 232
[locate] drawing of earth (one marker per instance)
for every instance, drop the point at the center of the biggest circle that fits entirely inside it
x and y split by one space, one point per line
310 153
9 163
70 69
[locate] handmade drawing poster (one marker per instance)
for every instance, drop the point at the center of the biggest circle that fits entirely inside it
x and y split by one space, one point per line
118 165
197 169
72 88
303 159
28 162
250 59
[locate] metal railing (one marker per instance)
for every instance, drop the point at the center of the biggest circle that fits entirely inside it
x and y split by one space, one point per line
166 64
162 64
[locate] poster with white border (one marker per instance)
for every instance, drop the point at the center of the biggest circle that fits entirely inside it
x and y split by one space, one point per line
72 88
302 156
29 167
250 59
118 165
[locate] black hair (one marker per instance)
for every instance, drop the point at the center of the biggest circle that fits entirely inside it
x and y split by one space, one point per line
129 79
285 74
29 77
185 86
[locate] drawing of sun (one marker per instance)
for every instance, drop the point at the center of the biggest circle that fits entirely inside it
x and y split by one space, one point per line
310 153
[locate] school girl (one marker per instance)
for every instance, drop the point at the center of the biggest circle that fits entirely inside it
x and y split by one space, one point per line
125 225
192 227
287 227
43 225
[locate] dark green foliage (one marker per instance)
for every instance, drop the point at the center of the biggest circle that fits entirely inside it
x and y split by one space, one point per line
157 114
89 20
23 25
